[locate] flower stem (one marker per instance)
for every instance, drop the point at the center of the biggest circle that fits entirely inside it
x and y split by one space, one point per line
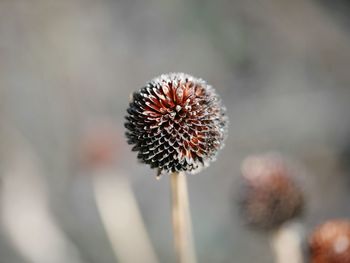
286 244
121 217
183 239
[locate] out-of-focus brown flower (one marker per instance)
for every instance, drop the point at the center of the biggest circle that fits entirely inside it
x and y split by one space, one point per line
270 196
330 242
100 145
176 123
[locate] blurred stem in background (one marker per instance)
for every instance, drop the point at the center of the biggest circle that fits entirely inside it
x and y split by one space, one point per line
25 213
115 200
286 243
121 217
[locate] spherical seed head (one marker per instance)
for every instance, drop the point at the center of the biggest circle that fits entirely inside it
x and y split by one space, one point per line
330 242
270 196
176 123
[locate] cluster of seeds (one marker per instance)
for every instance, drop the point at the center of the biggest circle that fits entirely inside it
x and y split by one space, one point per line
176 123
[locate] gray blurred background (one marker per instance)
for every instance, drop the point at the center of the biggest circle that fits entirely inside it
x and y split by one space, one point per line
67 69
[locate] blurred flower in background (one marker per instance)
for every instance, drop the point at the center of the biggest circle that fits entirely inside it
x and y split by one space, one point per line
271 195
330 242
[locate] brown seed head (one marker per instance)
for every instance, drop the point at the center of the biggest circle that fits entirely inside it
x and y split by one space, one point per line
330 242
270 196
176 123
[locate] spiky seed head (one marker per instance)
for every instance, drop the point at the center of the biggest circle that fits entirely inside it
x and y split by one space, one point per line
270 196
330 242
176 123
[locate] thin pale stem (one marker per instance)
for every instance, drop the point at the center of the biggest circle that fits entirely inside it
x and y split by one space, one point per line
286 244
121 217
183 239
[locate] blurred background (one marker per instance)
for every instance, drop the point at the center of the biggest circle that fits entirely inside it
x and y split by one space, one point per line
72 191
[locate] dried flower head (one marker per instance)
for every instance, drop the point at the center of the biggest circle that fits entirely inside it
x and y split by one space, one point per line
270 196
330 242
176 123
